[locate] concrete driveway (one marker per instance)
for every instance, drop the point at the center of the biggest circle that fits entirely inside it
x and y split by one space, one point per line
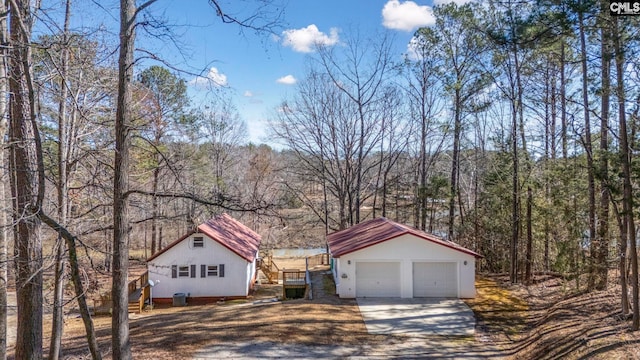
417 316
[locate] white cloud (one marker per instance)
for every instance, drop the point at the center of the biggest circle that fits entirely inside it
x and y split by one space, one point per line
287 80
253 98
304 39
406 16
214 77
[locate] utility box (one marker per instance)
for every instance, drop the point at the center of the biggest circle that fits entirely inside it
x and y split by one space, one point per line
179 299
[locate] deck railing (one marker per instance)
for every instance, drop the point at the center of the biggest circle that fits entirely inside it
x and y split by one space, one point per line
318 259
293 277
295 280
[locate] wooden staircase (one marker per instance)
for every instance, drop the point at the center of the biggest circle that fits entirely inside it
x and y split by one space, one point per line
269 268
139 292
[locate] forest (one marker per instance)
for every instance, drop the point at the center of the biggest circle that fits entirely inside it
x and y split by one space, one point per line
509 127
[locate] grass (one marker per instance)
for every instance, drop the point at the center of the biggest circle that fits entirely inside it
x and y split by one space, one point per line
497 308
328 285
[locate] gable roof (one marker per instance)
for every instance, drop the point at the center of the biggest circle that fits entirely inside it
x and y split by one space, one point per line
229 233
375 231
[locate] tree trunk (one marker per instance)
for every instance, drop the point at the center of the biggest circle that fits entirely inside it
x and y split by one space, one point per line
549 148
457 129
76 278
588 149
515 200
360 163
4 198
622 261
529 251
625 157
4 225
108 245
603 215
63 157
422 199
378 174
154 208
121 346
26 185
563 103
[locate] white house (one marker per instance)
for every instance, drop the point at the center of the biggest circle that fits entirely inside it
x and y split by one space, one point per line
217 260
382 258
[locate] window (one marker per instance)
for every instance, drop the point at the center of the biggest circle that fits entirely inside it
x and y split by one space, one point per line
212 270
198 242
183 271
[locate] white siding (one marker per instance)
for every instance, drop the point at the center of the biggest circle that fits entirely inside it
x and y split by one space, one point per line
406 250
237 278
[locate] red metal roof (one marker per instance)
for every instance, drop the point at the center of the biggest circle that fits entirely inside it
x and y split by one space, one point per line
227 231
379 230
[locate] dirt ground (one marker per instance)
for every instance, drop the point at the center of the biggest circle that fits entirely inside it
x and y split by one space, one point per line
562 322
551 319
546 320
177 333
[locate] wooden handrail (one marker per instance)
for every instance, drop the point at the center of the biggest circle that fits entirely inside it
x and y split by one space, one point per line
141 285
141 282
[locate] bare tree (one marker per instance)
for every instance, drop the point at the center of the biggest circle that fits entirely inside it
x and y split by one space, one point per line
424 92
394 140
363 84
317 127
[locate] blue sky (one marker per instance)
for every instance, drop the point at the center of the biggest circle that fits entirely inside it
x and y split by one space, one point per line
259 71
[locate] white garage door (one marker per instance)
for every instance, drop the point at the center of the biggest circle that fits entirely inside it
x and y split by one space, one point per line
435 279
377 279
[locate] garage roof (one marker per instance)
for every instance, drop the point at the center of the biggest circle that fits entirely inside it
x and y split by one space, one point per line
379 230
227 231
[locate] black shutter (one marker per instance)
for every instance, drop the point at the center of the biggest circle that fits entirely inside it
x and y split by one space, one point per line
203 270
193 271
221 270
174 271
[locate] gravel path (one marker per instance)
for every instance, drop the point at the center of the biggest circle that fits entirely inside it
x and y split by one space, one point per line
399 348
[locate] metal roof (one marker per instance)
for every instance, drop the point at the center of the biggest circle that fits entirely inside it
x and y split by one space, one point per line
227 231
375 231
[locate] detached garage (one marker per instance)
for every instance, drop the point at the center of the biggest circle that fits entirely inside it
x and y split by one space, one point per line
382 258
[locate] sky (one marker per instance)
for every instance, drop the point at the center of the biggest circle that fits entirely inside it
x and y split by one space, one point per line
259 71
